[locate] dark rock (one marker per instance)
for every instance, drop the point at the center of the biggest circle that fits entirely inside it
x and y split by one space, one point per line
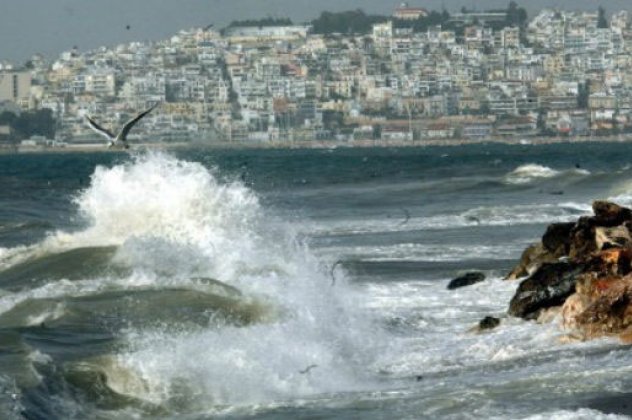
549 286
612 237
590 275
583 241
610 262
488 323
557 238
609 214
466 280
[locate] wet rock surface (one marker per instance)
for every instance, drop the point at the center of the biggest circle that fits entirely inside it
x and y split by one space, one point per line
586 268
488 323
466 279
549 286
532 257
557 238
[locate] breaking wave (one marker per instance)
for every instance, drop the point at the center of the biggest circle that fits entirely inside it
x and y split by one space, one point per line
530 172
202 298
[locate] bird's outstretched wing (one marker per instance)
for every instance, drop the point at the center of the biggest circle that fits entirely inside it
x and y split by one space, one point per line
128 125
103 131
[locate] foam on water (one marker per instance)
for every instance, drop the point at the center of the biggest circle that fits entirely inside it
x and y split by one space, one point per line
580 414
522 214
530 172
430 253
172 220
621 193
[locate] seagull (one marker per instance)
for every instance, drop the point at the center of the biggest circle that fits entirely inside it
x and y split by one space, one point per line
121 137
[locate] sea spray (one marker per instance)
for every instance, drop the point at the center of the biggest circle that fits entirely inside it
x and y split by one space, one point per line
530 172
174 219
126 341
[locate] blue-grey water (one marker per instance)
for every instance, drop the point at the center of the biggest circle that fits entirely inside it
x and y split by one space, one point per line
286 284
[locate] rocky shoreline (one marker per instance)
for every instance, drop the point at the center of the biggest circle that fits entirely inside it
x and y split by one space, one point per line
581 271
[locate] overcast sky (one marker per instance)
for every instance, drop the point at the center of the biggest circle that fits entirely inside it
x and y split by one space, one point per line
52 26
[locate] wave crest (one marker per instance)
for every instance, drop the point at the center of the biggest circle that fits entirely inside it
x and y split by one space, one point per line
159 195
529 172
526 173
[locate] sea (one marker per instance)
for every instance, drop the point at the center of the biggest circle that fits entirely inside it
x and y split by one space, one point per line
294 284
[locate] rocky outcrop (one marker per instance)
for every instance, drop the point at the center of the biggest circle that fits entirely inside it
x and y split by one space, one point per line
586 268
533 257
610 214
466 279
549 286
557 238
602 303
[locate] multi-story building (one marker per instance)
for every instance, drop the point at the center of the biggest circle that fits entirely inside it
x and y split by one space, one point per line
15 86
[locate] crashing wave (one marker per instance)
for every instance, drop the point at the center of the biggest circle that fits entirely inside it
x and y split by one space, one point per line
529 172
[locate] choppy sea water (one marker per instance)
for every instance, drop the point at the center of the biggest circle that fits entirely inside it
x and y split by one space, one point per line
293 284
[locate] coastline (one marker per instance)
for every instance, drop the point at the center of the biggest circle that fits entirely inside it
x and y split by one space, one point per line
321 144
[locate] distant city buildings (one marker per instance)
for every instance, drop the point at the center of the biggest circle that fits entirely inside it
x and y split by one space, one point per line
474 75
15 86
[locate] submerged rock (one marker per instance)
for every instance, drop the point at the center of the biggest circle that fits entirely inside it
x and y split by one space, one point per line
467 279
488 323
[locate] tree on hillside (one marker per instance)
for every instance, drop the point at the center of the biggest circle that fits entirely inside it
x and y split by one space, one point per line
268 21
516 16
31 123
351 21
602 22
583 93
7 118
422 23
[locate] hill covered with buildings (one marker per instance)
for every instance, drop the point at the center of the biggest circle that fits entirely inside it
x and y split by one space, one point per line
410 77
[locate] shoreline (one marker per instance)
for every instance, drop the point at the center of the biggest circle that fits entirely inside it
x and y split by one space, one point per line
319 144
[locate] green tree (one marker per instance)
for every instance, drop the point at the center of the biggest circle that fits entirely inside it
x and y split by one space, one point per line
377 132
602 22
268 21
7 117
332 120
32 123
583 92
351 21
516 16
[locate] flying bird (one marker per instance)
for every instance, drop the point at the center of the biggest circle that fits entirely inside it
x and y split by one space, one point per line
121 137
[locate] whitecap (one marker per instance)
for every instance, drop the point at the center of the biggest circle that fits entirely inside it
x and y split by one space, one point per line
526 173
530 172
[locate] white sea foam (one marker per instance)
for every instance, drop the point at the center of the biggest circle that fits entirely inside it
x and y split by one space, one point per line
443 342
621 193
173 219
429 253
529 172
501 215
579 414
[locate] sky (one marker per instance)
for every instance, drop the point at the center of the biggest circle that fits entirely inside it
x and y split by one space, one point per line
52 26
